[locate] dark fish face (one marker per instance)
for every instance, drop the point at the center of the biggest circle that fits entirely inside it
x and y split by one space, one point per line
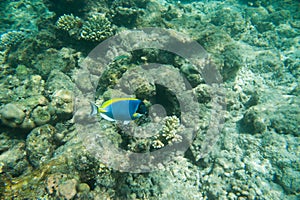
142 109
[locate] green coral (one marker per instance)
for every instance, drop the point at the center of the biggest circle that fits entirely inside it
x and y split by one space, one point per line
168 133
11 38
69 23
96 28
40 144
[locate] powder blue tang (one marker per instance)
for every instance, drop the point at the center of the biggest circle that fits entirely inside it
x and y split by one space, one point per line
120 109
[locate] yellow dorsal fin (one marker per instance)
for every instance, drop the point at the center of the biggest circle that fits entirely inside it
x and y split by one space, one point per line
107 103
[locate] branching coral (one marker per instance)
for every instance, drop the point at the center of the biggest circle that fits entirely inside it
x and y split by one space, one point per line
96 28
11 38
69 23
169 132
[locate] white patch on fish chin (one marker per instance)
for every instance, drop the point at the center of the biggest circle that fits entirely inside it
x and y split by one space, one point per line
126 122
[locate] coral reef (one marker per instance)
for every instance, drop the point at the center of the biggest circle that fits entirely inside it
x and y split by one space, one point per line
27 113
63 102
58 185
40 144
57 80
258 118
14 160
37 110
127 13
23 15
64 60
48 153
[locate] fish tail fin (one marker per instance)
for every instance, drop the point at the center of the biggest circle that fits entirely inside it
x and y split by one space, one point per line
94 109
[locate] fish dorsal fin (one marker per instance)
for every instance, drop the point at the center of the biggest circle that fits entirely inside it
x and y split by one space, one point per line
109 102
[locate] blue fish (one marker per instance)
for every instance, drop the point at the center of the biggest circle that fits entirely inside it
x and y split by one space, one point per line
120 109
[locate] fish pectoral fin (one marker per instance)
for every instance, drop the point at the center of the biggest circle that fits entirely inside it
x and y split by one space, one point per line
106 117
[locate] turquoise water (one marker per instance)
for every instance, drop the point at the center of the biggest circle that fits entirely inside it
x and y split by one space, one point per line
219 81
